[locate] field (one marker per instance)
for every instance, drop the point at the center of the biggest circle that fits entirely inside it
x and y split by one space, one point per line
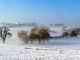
57 49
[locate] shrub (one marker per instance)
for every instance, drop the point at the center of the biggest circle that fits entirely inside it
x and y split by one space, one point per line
41 31
23 35
77 31
37 33
64 34
72 33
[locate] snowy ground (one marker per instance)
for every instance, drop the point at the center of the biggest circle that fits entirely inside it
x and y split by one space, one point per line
13 52
56 49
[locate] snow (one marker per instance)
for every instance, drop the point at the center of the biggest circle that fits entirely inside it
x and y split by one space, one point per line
55 49
14 52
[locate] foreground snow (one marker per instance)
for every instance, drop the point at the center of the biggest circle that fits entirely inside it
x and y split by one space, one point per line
13 52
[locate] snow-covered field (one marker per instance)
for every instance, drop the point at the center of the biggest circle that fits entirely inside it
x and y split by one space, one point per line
56 49
13 52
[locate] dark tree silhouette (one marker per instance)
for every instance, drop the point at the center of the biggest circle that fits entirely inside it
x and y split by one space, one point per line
73 33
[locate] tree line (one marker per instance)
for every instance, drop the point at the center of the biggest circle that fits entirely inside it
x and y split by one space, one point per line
38 33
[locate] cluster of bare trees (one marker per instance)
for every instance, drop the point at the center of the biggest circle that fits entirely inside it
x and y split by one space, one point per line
70 32
38 33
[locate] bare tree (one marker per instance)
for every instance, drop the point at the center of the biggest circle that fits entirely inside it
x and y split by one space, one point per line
3 33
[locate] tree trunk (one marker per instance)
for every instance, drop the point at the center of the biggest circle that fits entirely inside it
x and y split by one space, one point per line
47 40
39 41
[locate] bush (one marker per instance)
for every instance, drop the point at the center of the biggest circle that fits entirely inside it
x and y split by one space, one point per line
64 34
42 33
72 33
37 33
23 36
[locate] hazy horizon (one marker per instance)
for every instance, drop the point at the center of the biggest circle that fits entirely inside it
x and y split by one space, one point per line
40 11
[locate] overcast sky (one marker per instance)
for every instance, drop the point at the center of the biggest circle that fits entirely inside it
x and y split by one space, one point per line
40 11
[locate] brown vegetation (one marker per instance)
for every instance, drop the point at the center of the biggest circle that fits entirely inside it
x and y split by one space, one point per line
64 34
38 33
23 36
41 33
